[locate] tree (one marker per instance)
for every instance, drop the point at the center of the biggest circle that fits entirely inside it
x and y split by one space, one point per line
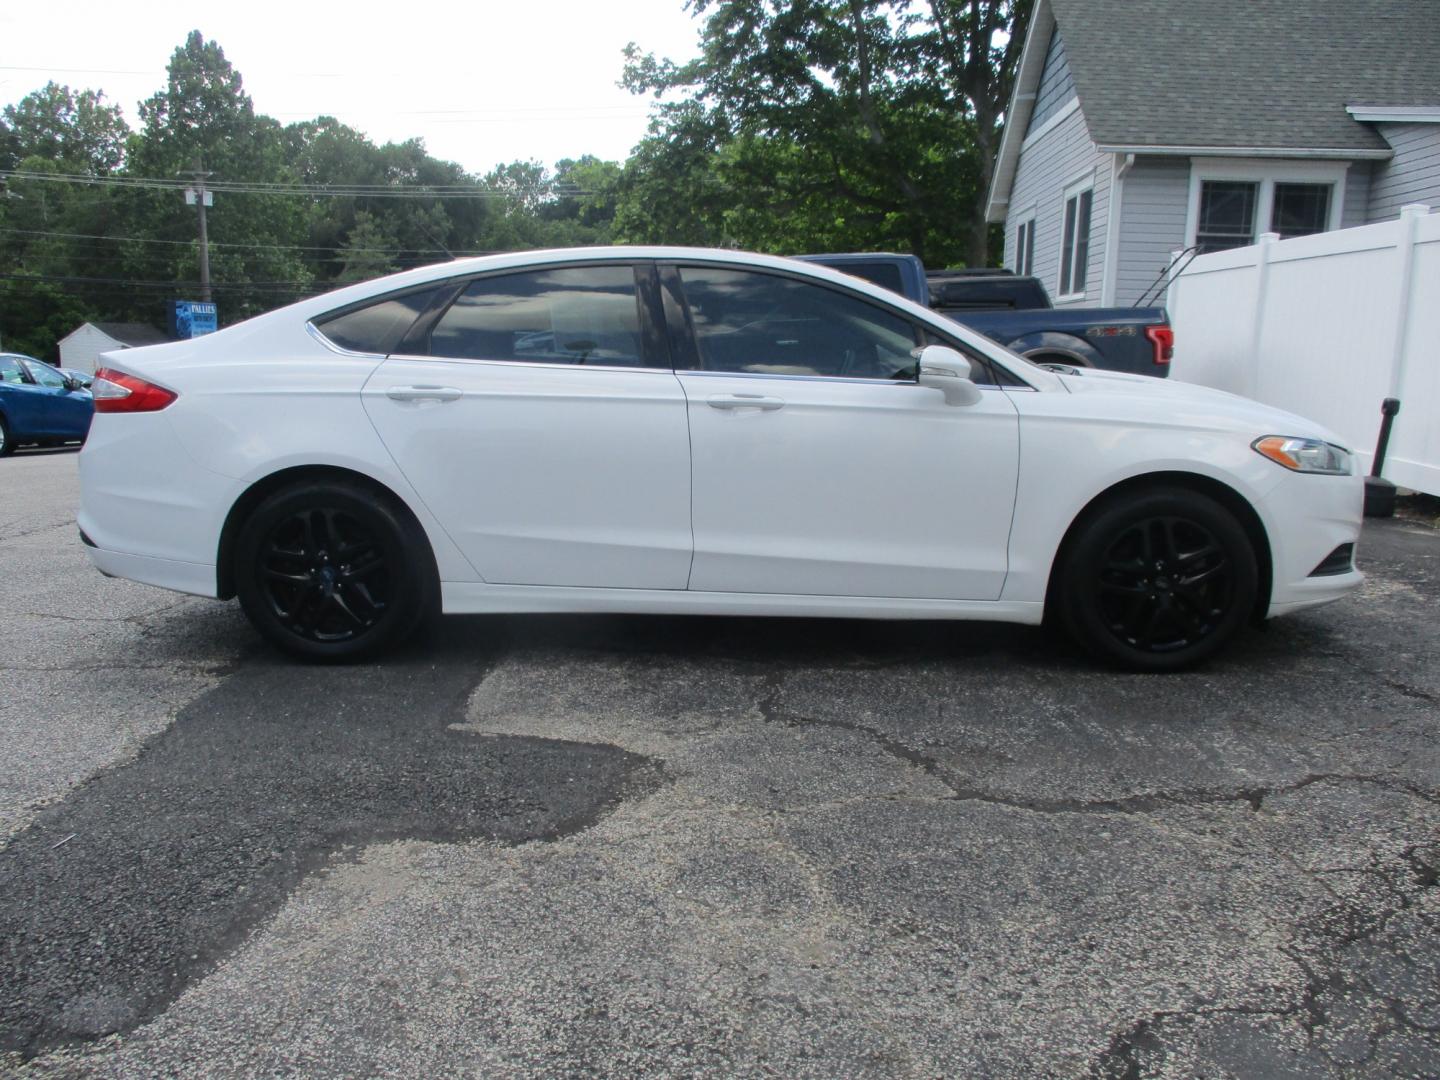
203 119
78 130
35 314
887 109
671 190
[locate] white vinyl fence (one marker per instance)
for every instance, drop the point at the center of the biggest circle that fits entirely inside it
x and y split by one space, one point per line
1326 326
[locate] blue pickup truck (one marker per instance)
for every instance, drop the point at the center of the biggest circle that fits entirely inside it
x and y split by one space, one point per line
1016 312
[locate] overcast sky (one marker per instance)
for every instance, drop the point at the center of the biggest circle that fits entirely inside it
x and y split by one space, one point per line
482 82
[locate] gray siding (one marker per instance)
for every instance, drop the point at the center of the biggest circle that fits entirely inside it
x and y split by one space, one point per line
1357 195
1154 197
1057 159
1412 175
1057 86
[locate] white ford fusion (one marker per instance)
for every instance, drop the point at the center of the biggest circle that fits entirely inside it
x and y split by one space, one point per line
677 430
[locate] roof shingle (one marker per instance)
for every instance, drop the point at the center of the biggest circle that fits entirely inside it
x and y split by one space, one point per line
1267 74
133 334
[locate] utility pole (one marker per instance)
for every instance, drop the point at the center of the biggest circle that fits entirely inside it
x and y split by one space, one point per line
202 198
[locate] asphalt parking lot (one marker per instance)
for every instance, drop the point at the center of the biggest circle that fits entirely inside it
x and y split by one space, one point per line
708 847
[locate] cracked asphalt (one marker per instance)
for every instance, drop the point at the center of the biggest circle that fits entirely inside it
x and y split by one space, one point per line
709 847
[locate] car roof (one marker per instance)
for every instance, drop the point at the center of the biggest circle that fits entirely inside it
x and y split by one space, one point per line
480 264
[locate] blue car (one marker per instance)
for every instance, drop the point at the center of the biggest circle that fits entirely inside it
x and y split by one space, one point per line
39 404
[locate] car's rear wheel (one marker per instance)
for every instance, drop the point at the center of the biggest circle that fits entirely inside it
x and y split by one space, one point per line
1157 580
334 571
7 441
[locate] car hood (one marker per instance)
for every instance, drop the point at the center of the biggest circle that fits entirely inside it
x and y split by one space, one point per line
1182 400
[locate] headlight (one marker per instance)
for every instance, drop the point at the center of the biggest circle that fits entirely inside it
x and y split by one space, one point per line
1305 455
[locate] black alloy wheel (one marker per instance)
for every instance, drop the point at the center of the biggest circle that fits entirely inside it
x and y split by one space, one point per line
324 575
331 572
1159 580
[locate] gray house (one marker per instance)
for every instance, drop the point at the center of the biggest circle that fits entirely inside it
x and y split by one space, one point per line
1139 128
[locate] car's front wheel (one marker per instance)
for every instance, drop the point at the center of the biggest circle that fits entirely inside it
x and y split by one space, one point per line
1157 580
7 441
334 571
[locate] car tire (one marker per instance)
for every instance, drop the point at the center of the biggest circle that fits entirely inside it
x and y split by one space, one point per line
333 571
7 440
1157 580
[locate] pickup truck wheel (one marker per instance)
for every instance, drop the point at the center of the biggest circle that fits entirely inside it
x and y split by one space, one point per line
1055 358
1157 580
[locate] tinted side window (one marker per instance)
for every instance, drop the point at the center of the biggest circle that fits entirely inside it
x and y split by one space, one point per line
767 324
10 370
45 375
570 315
378 327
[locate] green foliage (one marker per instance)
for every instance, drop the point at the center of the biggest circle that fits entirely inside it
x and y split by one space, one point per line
806 126
79 131
34 315
855 124
203 121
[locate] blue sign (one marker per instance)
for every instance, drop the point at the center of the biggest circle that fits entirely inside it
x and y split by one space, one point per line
192 318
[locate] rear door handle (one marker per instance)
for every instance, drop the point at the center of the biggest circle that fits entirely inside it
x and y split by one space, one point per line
424 393
745 401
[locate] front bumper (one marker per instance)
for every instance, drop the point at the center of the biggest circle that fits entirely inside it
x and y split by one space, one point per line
1310 516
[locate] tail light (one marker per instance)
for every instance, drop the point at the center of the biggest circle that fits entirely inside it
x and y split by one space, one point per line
116 391
1163 338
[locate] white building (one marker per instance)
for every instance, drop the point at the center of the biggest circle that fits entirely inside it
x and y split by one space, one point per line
81 348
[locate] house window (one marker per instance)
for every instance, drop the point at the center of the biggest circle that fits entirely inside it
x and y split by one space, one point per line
1075 242
1025 247
1233 203
1300 209
1227 215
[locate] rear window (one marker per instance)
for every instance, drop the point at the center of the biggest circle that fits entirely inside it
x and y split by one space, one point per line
565 315
378 327
988 293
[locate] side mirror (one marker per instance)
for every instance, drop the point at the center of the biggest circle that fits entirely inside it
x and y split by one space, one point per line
72 383
946 370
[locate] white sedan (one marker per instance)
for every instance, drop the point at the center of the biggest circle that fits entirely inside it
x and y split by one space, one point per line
677 430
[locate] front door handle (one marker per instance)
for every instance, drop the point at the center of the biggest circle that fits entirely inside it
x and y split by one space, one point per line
745 401
424 393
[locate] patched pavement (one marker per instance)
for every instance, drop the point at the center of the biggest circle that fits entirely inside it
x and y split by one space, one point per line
681 847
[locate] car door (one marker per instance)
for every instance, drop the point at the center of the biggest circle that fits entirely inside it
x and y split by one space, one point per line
26 404
67 412
531 418
820 465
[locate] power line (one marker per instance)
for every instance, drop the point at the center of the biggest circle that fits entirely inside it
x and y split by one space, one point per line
350 191
73 279
239 244
155 71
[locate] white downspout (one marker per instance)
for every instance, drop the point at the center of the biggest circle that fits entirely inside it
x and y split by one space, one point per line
1119 166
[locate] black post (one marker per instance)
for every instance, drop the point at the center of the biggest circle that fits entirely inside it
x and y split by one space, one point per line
1379 492
1388 409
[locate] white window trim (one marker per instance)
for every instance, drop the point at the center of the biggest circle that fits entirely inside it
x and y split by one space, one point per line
1026 216
1073 190
1266 174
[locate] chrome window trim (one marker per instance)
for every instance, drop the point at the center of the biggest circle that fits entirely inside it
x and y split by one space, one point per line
319 336
814 378
530 363
664 371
